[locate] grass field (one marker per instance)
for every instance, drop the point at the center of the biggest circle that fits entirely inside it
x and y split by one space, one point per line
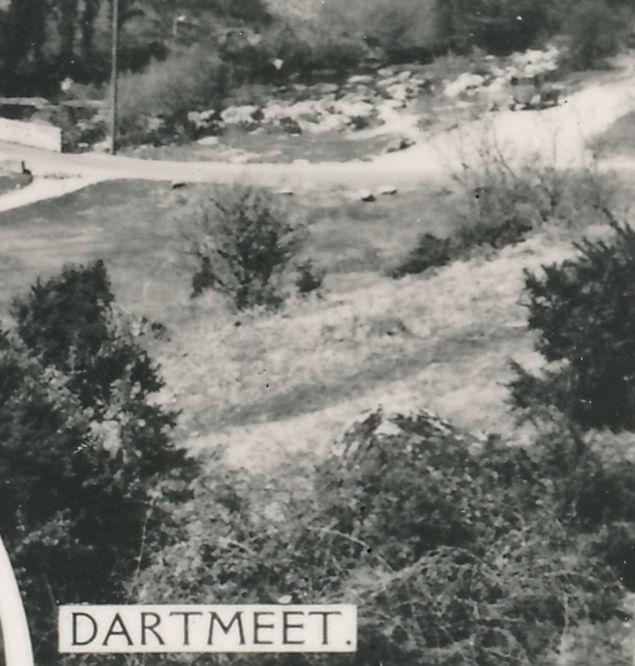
273 147
134 227
619 139
266 385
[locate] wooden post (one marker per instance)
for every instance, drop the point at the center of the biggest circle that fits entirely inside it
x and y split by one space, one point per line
114 75
15 629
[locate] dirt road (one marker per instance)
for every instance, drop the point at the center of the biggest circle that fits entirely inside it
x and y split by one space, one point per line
558 135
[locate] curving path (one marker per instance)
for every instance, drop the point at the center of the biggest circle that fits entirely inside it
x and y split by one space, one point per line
559 136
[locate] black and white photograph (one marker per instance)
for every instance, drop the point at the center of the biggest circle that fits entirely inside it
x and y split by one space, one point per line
317 332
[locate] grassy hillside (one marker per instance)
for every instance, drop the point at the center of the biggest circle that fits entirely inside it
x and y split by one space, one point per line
257 383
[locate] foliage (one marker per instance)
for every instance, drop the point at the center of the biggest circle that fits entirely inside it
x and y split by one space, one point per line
308 279
244 241
582 311
402 29
498 26
456 550
499 204
83 449
45 42
595 30
154 103
429 251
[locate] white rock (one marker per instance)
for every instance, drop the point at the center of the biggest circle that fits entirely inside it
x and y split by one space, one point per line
208 141
324 88
363 79
330 123
354 109
237 115
463 83
400 92
388 190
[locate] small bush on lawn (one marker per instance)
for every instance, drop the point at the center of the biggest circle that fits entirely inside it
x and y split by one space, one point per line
583 311
457 550
429 251
244 241
83 448
309 279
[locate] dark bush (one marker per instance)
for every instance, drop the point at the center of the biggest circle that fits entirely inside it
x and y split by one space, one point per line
457 550
497 26
499 205
429 251
154 103
595 29
583 311
244 242
309 279
83 448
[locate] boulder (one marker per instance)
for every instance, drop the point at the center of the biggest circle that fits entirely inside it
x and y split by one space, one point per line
464 83
240 115
388 190
401 143
363 79
289 125
386 326
358 114
367 196
400 91
324 88
332 122
208 141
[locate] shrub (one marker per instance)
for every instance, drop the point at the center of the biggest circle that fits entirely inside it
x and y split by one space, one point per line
493 25
244 241
583 311
83 449
402 28
457 550
154 103
429 251
499 205
327 42
309 279
595 30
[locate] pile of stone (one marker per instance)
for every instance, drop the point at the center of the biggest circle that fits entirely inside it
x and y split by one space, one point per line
525 76
325 107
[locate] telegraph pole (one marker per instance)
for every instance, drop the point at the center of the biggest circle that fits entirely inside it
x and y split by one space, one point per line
114 76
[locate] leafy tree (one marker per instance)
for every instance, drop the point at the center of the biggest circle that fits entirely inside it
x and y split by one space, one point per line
595 29
243 243
583 311
84 451
498 26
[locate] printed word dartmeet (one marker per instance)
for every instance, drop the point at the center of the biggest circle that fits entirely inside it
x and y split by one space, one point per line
200 629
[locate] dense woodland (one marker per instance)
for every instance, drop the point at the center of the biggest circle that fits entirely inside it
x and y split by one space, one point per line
45 41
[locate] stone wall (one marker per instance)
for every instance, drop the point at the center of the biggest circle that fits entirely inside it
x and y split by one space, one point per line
38 135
